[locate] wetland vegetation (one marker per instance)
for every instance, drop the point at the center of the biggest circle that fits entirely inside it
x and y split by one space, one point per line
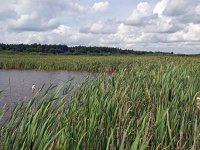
148 102
17 60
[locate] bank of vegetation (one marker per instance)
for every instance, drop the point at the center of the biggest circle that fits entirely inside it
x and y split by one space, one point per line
148 102
16 60
149 106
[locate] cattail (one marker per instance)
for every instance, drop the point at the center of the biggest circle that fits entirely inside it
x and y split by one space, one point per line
198 103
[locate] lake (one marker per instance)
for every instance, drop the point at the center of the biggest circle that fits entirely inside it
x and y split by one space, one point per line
17 84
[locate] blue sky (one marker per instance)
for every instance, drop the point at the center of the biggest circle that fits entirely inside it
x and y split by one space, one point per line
152 25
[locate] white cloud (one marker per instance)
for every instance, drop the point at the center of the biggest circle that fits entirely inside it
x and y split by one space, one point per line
160 7
35 15
6 10
144 26
184 11
100 6
97 27
198 9
100 27
31 22
61 35
190 33
175 8
142 15
76 7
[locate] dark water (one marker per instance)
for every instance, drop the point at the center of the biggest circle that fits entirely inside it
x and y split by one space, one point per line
16 84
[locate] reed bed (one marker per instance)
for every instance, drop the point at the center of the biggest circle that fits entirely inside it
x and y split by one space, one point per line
148 106
82 63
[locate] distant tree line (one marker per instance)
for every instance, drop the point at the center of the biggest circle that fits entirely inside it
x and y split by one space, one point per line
64 49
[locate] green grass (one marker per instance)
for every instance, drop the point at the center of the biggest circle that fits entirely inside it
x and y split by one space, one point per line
13 60
150 106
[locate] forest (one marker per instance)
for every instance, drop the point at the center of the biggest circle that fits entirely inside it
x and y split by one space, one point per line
74 50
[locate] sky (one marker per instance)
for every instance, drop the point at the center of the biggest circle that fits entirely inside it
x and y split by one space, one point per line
151 25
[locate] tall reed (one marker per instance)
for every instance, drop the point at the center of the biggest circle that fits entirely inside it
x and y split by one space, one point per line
83 63
149 106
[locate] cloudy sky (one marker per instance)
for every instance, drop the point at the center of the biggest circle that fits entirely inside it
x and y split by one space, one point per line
157 25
